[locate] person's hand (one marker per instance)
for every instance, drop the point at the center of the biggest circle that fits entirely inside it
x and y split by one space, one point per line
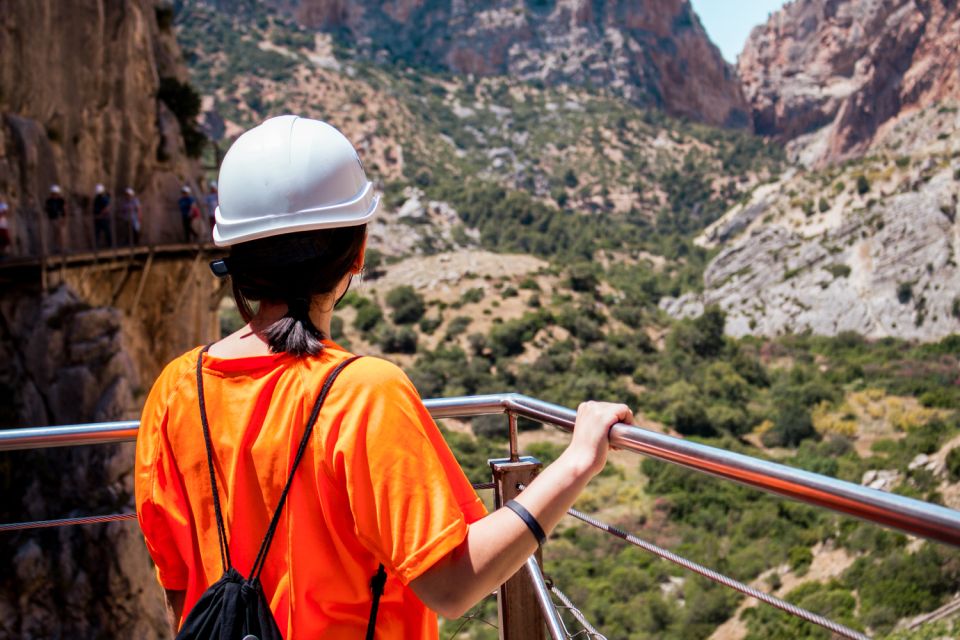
590 443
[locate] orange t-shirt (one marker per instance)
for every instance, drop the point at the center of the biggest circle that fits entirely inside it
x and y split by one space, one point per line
377 484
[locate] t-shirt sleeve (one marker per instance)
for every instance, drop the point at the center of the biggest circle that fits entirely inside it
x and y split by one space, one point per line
162 508
410 501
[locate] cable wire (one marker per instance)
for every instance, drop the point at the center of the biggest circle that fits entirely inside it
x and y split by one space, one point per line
65 522
719 578
576 613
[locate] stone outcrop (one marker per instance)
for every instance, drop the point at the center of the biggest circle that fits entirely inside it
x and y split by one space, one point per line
652 53
87 351
811 253
847 69
79 106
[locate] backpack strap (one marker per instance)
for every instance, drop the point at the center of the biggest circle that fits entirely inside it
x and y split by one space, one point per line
274 521
221 530
376 586
268 538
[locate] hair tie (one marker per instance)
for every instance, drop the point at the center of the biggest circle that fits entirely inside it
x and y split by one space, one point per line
299 309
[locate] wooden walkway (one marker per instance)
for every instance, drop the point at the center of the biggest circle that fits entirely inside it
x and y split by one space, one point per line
34 270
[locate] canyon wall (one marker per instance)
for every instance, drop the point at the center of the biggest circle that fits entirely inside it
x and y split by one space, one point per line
79 105
842 72
87 351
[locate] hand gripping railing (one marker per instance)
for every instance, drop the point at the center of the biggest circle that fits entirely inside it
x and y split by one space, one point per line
909 515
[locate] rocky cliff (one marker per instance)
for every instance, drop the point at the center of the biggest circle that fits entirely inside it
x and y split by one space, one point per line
86 352
653 53
841 72
869 246
79 105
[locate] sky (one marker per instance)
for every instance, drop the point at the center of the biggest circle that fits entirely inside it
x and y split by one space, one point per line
728 22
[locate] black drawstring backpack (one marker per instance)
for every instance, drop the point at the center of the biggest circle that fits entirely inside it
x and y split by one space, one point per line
234 607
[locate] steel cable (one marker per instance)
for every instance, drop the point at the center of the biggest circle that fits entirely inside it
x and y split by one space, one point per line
719 578
576 613
65 522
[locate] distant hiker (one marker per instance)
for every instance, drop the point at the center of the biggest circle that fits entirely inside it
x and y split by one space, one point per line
130 214
102 216
212 200
56 210
4 230
189 214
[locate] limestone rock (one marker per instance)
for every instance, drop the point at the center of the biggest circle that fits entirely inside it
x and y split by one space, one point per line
880 266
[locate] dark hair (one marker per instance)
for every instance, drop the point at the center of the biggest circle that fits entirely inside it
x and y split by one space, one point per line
292 269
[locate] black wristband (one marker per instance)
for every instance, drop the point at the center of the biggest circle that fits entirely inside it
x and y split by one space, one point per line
528 520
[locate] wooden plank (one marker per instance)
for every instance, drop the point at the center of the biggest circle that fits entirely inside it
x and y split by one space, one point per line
141 285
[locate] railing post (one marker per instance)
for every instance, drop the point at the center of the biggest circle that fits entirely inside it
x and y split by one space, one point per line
518 608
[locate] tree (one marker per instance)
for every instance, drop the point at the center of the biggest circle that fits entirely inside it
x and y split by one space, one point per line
408 306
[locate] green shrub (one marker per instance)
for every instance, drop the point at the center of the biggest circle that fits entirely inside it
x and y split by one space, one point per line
429 325
953 464
838 270
408 306
823 205
863 185
472 295
583 278
800 559
369 315
184 101
791 427
399 340
457 327
904 292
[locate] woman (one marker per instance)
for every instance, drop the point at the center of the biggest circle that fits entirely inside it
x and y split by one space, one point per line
377 484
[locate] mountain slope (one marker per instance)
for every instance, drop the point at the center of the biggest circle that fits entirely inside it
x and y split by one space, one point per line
848 69
654 53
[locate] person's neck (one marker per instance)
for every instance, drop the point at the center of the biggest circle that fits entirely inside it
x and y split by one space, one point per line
250 342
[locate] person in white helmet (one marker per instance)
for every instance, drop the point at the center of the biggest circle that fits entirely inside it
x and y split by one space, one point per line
130 215
212 201
103 222
56 209
189 214
376 486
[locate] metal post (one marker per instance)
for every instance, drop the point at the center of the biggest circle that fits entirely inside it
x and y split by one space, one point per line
518 607
550 614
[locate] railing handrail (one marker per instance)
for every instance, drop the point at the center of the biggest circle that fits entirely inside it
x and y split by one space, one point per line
906 514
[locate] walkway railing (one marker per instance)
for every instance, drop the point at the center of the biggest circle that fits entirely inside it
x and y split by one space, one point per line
911 516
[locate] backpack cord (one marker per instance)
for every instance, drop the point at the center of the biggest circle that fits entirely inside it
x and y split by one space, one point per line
275 520
221 530
376 585
378 581
265 545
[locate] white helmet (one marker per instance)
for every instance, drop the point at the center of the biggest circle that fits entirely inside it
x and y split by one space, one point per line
129 191
54 188
99 188
290 174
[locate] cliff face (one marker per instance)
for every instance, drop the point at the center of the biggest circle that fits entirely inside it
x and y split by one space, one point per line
849 68
653 53
869 246
78 106
86 352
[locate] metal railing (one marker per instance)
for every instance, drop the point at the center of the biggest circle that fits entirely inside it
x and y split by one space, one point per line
911 516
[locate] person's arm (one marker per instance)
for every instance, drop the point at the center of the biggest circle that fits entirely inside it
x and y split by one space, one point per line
498 545
174 603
